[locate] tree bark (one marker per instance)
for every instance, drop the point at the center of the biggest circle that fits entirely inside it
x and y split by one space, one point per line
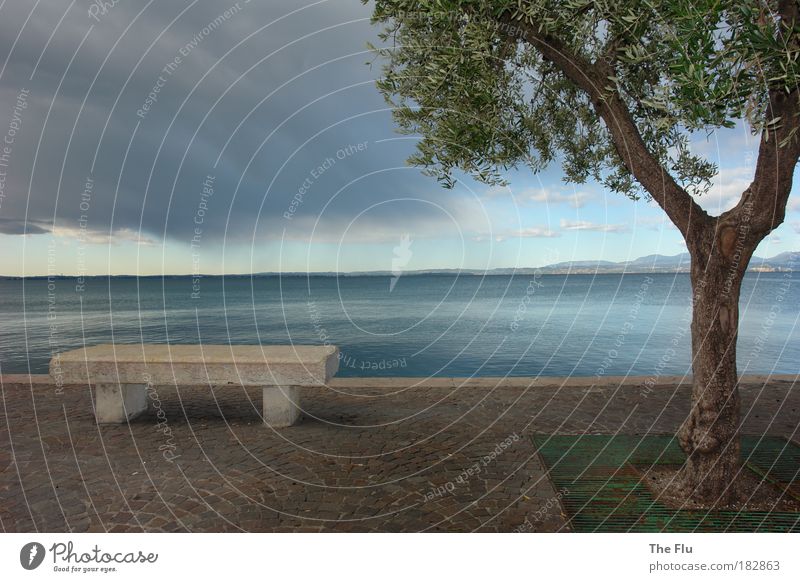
720 248
710 434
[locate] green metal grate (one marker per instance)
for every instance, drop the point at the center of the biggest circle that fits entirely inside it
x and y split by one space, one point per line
605 493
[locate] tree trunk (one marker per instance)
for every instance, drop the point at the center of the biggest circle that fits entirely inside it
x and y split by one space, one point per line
710 434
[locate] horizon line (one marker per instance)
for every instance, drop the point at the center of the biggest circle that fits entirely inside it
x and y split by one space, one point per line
476 271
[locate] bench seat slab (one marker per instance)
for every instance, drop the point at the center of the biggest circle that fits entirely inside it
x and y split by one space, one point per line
215 365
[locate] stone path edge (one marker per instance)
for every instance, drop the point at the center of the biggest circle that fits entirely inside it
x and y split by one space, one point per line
483 382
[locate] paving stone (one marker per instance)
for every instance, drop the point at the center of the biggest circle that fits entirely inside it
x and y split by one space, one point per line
380 472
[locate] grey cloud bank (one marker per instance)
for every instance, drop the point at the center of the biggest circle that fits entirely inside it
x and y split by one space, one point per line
148 100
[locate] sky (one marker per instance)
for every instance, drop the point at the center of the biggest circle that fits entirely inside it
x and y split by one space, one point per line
235 137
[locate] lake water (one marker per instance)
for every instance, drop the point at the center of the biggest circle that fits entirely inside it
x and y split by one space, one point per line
432 325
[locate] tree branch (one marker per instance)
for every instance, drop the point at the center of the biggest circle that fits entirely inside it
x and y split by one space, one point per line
592 78
766 198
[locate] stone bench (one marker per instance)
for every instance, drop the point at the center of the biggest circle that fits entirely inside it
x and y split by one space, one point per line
120 374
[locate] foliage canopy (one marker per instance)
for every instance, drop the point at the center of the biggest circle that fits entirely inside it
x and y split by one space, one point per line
492 85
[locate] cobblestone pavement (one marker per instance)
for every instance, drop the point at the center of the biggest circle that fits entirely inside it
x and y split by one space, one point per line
390 458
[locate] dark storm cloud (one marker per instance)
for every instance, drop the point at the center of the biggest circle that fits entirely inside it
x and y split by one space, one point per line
21 226
133 109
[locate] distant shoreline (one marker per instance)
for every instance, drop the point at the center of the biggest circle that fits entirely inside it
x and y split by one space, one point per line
466 273
787 262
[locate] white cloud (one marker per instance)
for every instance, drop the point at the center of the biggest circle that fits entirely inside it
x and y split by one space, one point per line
592 226
576 199
726 189
532 232
536 232
94 237
655 222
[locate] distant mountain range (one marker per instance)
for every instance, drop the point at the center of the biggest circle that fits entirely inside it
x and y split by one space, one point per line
784 262
789 261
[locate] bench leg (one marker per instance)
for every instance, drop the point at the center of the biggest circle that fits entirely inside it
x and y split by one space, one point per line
281 406
118 403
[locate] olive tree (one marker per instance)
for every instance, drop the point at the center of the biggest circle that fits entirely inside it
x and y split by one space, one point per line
615 91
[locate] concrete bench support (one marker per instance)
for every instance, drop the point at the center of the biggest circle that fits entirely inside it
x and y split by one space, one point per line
120 374
116 403
281 405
